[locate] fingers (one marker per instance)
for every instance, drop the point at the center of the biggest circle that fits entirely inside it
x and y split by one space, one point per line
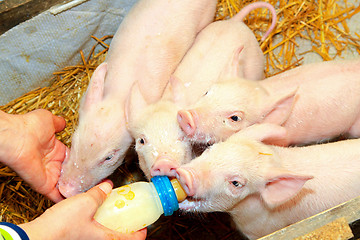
99 192
55 196
109 181
140 235
106 233
59 123
106 187
59 153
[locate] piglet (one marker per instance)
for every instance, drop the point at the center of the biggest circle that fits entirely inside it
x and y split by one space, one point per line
160 144
214 48
149 44
314 102
264 187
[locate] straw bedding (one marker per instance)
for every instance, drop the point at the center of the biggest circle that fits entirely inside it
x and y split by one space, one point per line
322 25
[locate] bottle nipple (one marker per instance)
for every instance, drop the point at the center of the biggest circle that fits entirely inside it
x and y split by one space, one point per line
179 191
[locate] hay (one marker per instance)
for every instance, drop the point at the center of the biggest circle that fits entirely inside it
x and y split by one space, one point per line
323 24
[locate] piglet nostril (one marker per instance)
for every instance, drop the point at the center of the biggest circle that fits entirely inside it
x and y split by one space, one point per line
164 166
186 180
155 172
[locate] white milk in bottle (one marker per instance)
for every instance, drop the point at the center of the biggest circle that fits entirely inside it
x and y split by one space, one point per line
132 207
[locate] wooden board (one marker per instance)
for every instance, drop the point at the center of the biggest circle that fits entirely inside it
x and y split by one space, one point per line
348 211
13 12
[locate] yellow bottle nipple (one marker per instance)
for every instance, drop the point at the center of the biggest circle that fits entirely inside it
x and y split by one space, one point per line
179 191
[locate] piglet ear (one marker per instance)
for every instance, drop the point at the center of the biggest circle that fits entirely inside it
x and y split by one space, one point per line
281 185
95 90
265 132
231 70
280 107
177 91
134 103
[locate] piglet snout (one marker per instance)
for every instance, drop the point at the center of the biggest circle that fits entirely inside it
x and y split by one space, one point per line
186 120
186 179
68 189
164 166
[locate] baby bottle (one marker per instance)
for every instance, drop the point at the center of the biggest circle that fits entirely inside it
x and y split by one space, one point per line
132 207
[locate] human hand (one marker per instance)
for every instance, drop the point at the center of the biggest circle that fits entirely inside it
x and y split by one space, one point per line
29 147
73 219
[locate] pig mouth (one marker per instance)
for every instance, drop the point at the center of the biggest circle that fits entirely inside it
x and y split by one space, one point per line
203 138
191 204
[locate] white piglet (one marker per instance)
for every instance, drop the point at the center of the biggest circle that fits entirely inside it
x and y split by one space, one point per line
160 144
265 188
314 102
149 44
211 55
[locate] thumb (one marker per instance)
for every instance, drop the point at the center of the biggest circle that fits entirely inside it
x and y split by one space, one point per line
59 123
99 192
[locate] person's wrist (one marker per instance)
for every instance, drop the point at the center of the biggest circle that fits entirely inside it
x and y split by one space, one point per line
31 230
40 230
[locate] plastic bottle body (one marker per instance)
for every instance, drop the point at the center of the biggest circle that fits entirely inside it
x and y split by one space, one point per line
130 208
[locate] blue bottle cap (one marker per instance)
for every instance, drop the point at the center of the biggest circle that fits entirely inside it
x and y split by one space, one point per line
166 194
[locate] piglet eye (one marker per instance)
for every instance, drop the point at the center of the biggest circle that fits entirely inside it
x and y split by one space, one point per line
235 118
236 183
109 157
142 141
206 93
